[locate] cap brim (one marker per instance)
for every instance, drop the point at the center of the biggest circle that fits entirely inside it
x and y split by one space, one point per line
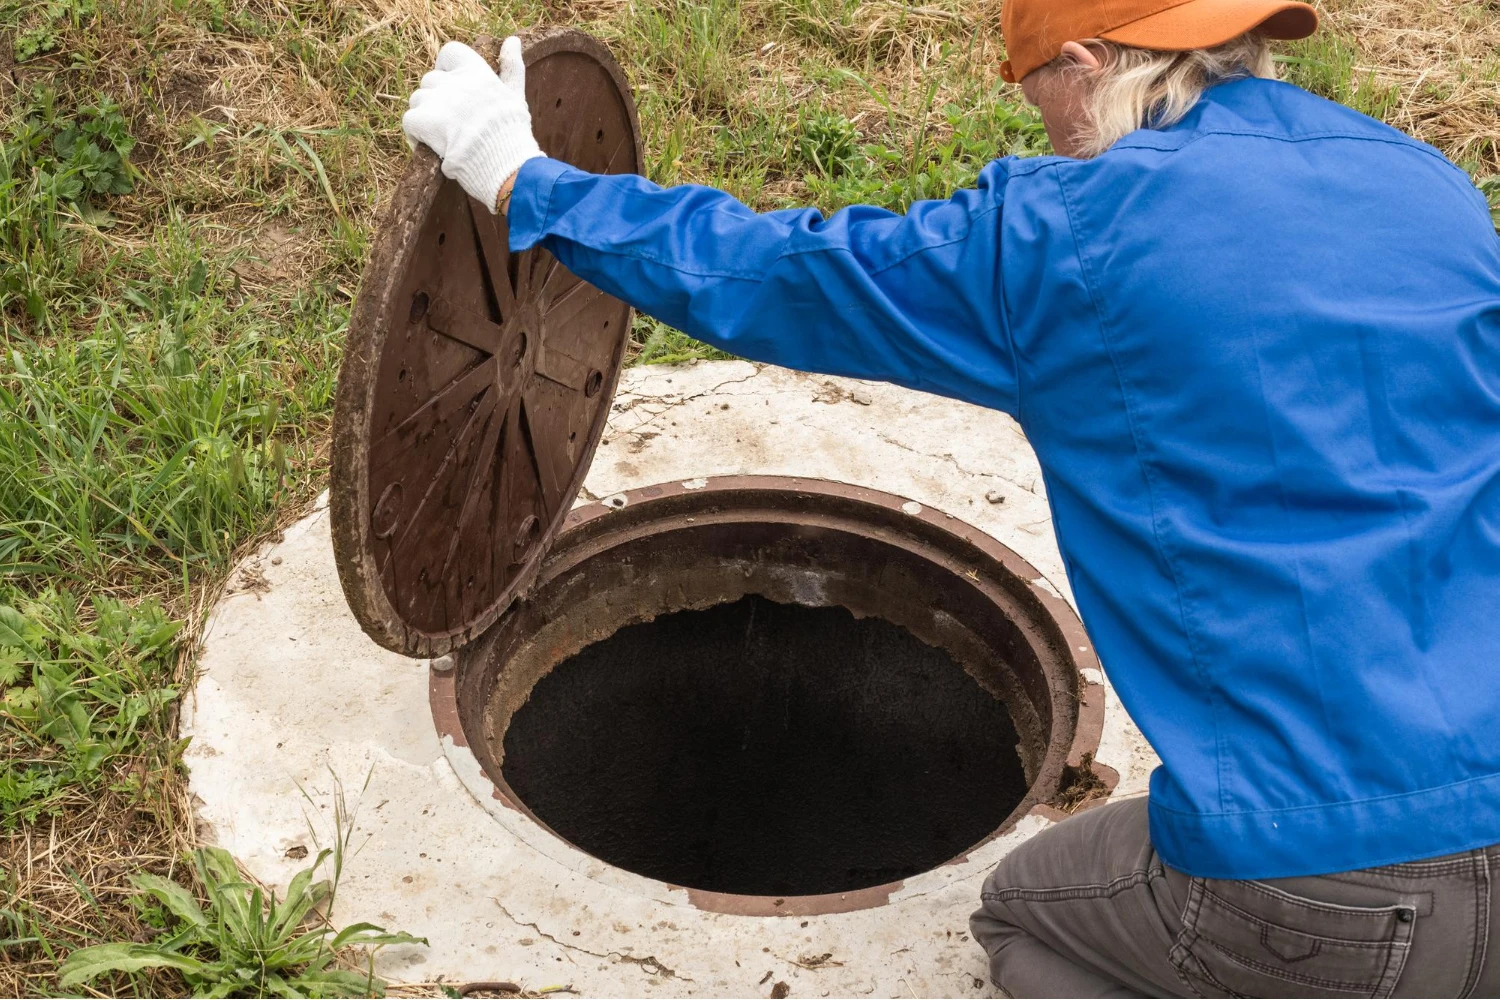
1202 24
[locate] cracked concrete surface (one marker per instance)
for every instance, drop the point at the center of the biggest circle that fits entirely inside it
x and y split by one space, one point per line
292 699
649 963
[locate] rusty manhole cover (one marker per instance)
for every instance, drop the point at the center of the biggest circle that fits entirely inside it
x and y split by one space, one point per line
476 382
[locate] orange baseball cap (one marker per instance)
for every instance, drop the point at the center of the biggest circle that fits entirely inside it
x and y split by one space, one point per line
1035 30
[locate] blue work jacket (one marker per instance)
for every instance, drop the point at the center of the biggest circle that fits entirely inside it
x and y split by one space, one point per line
1258 356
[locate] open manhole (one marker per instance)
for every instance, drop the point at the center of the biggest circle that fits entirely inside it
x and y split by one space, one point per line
754 688
772 687
767 749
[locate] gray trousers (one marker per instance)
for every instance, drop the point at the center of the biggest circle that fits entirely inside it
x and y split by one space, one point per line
1087 909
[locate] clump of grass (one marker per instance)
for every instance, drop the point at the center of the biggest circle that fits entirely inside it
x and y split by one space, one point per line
64 879
141 448
82 683
245 942
945 155
663 345
829 142
40 33
236 938
690 45
859 32
1328 65
1490 188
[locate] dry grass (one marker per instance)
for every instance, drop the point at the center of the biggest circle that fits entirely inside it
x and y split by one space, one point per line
1443 58
68 878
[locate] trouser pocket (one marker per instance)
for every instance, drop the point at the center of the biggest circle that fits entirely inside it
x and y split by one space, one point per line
1248 939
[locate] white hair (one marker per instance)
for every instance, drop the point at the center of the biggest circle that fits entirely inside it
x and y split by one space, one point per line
1146 88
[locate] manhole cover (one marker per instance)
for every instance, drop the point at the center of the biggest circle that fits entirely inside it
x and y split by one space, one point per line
476 382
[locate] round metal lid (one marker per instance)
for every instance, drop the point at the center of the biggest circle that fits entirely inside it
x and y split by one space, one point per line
475 382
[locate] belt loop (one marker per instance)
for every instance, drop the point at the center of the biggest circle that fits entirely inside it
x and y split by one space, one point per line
1480 861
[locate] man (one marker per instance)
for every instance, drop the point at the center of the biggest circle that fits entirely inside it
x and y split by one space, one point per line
1254 338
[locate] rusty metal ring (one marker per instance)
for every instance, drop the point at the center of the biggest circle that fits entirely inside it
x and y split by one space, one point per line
993 604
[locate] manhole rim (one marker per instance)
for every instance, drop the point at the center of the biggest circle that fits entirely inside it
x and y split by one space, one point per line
502 804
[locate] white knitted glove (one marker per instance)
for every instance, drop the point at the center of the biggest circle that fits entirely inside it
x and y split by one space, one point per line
476 122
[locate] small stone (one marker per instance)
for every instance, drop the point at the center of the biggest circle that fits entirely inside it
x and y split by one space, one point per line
995 496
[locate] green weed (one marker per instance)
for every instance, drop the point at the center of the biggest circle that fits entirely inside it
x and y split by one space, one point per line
56 164
829 142
80 684
47 23
660 344
80 152
1327 65
246 942
93 153
1490 188
937 163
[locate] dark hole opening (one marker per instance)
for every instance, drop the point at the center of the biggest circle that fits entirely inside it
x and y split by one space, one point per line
765 749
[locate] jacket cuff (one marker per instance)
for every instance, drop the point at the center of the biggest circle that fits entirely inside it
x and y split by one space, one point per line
528 214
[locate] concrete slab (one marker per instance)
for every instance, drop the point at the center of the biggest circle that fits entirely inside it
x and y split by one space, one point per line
293 701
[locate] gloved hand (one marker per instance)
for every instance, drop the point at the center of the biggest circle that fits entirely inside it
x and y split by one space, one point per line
476 122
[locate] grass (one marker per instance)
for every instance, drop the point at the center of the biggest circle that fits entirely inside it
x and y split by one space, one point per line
244 941
187 193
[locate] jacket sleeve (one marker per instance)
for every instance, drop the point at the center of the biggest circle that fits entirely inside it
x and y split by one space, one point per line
913 299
